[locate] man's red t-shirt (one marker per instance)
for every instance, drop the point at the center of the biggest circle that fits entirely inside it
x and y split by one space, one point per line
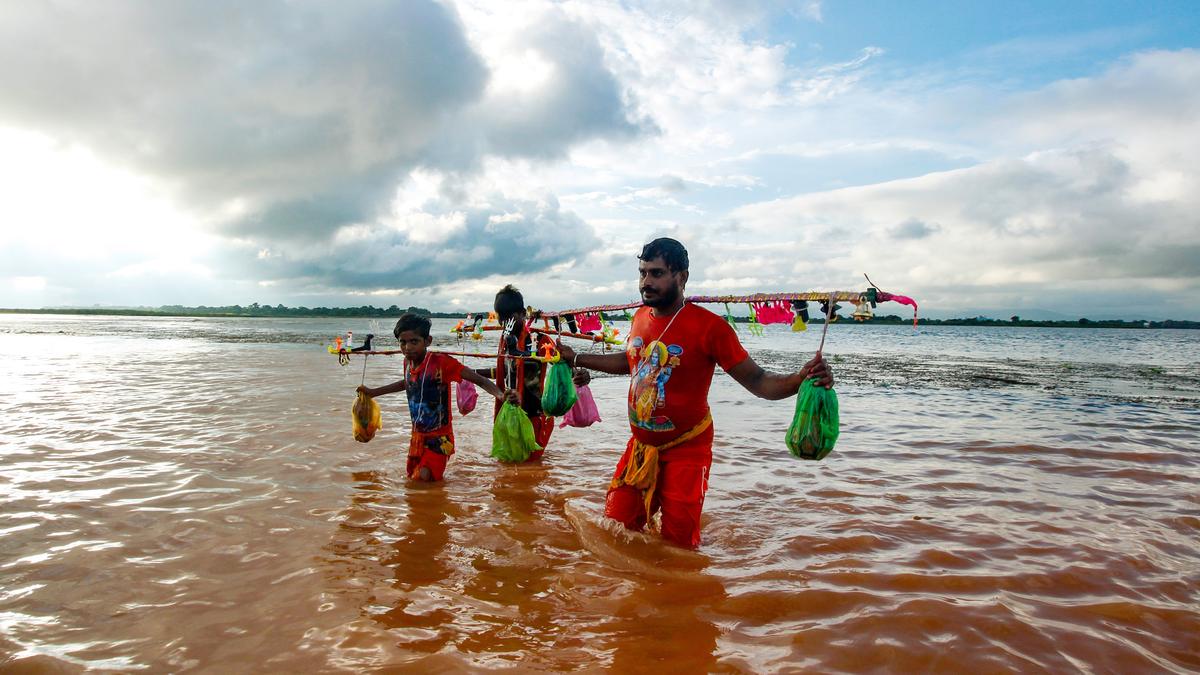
670 372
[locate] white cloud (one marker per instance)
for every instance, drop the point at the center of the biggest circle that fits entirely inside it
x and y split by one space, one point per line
25 284
162 267
427 228
440 150
1112 202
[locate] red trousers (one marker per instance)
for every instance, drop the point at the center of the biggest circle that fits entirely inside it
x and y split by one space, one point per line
678 494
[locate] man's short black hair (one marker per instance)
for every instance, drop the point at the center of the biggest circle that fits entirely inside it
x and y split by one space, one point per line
410 321
509 302
671 251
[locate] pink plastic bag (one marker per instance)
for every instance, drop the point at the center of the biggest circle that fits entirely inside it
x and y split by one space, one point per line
467 397
584 412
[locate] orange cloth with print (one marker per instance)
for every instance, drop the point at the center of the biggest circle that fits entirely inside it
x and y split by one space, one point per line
429 405
670 374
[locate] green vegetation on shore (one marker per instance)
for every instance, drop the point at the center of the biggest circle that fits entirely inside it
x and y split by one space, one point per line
251 310
370 311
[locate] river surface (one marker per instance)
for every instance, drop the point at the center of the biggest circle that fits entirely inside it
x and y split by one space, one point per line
185 495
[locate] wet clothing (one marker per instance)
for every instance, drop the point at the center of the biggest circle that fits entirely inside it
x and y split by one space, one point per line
428 385
543 426
671 363
641 462
429 451
531 385
679 495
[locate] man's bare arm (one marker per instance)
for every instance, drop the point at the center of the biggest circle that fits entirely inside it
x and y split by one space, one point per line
613 364
773 386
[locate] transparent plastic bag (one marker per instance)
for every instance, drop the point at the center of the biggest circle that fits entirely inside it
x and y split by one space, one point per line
467 397
558 393
512 435
367 418
815 427
584 413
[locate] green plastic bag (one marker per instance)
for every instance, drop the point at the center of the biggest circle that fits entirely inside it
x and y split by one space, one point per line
512 435
814 429
558 394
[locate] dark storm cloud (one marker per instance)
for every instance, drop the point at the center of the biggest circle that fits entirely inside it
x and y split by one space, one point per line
581 98
287 120
913 229
264 100
505 237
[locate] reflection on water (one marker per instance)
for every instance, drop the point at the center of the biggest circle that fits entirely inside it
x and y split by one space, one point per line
175 499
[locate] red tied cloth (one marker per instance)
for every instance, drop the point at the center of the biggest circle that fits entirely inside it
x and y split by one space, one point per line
588 322
779 311
880 296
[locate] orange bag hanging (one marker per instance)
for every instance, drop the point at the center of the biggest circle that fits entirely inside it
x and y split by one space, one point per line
367 418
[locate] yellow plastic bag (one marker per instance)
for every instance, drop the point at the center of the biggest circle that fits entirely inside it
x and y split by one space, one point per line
367 418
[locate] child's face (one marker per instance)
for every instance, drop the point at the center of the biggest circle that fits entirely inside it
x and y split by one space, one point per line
413 344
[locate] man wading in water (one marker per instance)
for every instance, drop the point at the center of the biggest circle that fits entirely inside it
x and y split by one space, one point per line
671 354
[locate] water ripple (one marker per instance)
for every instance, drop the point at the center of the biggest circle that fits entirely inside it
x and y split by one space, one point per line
185 495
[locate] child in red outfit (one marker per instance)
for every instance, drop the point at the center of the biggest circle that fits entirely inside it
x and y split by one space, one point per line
529 379
427 379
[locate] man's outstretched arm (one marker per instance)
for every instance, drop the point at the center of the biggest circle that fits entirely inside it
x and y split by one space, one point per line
773 386
613 364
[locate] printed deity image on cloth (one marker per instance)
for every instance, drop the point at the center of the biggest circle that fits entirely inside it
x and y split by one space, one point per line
429 394
647 393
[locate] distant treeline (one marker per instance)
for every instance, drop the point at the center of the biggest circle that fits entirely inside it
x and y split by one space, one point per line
251 310
370 311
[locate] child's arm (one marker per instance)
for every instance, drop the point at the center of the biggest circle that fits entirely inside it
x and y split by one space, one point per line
392 388
488 386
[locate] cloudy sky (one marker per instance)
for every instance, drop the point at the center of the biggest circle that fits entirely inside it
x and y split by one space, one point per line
994 158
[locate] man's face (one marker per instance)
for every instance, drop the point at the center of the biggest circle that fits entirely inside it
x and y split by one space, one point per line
660 287
413 344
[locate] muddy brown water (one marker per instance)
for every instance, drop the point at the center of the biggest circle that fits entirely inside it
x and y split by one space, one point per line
185 496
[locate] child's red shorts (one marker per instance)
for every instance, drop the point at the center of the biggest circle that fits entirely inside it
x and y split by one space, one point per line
679 494
430 451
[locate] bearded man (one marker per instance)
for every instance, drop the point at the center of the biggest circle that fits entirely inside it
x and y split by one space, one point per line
671 355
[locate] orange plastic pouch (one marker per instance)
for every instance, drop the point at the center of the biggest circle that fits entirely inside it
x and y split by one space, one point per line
367 418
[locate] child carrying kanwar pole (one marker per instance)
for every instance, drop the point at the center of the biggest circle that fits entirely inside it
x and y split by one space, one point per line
525 378
427 379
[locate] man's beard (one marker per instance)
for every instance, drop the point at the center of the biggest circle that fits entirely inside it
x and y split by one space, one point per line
665 300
